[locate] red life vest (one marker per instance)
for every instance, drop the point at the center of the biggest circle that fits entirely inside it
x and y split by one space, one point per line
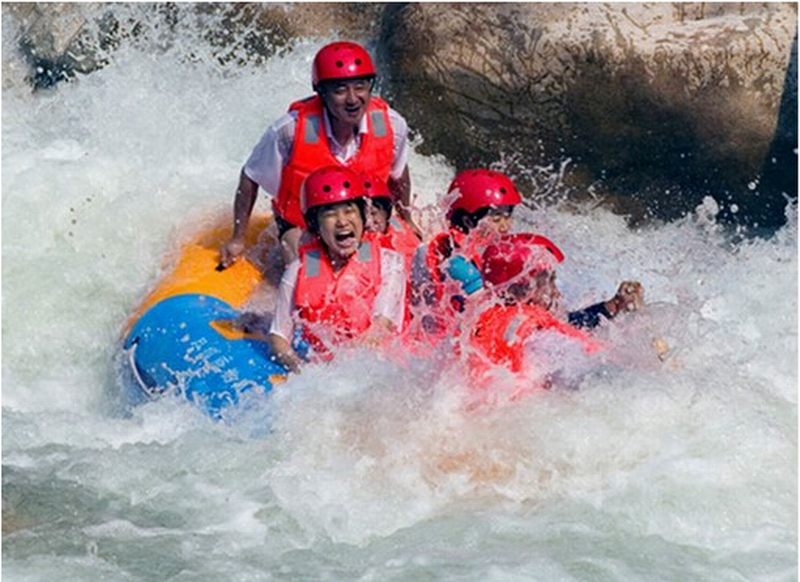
501 331
311 150
400 237
447 244
438 299
338 305
432 319
498 340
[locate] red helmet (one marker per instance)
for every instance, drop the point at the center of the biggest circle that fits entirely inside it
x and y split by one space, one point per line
375 188
341 60
518 253
480 189
329 185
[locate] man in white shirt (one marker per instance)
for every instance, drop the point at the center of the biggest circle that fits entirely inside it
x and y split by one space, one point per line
342 124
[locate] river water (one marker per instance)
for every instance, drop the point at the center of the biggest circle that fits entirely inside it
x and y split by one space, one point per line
636 468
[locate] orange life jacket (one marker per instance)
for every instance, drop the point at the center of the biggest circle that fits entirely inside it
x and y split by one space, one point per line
338 305
400 237
498 341
311 150
437 302
501 331
445 245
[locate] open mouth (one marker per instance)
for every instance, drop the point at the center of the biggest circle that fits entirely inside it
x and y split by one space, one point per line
345 237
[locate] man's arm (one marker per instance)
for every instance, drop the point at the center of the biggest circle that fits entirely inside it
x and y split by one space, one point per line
283 353
401 193
246 194
390 302
629 297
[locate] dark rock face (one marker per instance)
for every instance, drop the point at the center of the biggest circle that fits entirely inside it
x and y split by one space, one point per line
656 105
779 172
647 107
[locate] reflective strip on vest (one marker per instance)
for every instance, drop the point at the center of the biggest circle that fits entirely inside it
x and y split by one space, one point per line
510 335
379 128
364 253
313 124
313 264
313 258
396 224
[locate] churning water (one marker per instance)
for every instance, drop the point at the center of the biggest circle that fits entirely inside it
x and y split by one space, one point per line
636 469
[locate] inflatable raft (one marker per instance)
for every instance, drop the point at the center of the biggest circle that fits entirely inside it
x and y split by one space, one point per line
183 339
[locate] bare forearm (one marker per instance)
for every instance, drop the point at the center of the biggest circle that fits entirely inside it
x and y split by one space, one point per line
401 193
283 352
246 194
401 188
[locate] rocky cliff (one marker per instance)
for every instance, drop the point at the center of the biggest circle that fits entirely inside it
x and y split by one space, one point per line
646 106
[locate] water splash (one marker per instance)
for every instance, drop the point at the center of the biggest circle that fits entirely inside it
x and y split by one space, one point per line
364 468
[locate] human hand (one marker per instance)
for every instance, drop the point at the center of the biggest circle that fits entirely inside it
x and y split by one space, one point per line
289 360
629 297
283 353
380 330
230 252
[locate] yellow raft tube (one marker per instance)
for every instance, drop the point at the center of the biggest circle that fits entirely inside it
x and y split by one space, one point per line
183 338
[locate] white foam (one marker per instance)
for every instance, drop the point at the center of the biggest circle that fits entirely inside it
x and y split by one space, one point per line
691 461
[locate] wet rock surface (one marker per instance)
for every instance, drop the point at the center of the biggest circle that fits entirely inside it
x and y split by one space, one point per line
656 105
647 107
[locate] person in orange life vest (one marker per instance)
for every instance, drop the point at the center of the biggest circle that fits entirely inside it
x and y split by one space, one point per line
501 263
343 286
394 232
343 123
446 270
523 303
519 271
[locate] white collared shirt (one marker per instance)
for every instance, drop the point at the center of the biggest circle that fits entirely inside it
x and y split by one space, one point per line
266 161
350 149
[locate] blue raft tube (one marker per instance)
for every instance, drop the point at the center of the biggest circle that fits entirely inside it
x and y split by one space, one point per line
184 338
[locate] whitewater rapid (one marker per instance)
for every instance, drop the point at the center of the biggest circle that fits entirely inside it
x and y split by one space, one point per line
638 468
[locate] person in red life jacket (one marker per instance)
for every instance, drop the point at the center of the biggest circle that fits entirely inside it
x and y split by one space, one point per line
394 232
343 286
504 261
446 270
519 275
342 123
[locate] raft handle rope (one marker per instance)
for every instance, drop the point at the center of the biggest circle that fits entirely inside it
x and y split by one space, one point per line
151 391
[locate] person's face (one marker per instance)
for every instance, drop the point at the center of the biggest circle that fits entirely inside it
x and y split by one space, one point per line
347 100
377 218
340 229
545 293
539 289
497 221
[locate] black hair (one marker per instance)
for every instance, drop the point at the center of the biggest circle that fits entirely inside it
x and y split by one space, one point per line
311 216
464 221
384 204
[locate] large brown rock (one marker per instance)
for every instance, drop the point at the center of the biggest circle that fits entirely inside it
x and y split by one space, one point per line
647 106
655 101
61 39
